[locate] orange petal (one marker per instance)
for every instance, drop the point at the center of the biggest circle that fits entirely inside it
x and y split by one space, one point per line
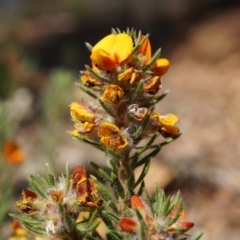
161 66
81 112
114 47
145 49
113 93
152 85
128 225
136 202
103 60
12 153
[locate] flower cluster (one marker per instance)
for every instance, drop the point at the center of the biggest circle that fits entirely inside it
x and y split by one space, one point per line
155 220
53 205
125 78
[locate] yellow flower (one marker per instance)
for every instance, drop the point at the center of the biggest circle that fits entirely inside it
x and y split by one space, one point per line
167 125
81 112
161 66
112 50
12 153
83 128
131 75
88 80
113 93
111 136
152 85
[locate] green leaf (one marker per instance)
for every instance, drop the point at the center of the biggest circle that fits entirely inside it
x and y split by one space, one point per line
92 218
88 141
143 173
112 235
96 75
160 198
68 178
153 60
165 206
101 172
87 91
167 141
34 229
106 108
140 190
34 182
117 186
139 43
142 127
114 154
199 236
89 46
111 216
25 219
177 215
149 201
147 157
50 176
138 89
158 99
107 196
175 200
143 226
89 228
134 158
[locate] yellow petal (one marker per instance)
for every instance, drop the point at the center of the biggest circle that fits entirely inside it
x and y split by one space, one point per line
117 46
107 129
81 112
85 127
103 60
113 93
161 66
168 119
152 85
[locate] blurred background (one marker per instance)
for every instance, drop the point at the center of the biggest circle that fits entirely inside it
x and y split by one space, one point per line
42 50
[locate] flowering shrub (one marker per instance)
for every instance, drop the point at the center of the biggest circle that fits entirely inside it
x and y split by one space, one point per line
125 80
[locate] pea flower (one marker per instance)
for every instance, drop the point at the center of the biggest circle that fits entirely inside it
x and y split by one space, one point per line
156 224
13 153
111 51
111 136
113 94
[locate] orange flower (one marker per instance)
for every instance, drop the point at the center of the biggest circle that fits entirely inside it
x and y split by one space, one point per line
111 51
83 128
111 136
145 49
26 205
88 80
12 153
81 112
152 85
17 228
167 125
113 93
128 225
85 187
161 66
130 75
136 202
